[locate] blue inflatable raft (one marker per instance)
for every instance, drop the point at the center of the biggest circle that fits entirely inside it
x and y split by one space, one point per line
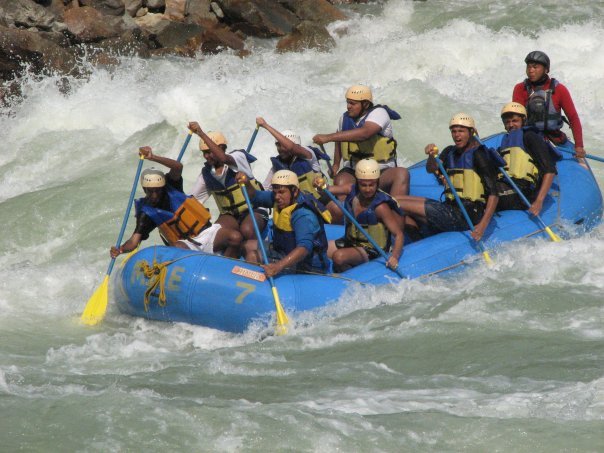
170 284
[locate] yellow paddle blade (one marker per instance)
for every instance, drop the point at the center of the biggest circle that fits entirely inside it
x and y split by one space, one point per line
97 305
282 320
487 258
552 235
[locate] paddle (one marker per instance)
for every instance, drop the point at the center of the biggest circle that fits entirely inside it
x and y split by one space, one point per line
547 229
282 320
252 140
184 146
441 167
97 305
350 217
589 156
329 166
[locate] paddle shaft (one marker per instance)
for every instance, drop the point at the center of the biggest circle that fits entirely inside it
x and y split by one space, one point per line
127 213
354 221
329 166
252 140
589 156
184 146
462 208
281 316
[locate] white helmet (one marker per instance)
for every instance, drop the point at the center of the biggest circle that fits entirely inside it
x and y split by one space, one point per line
216 137
285 178
153 177
292 136
359 93
514 107
462 119
367 169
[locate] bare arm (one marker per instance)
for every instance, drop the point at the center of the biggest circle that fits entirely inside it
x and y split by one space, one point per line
386 215
175 167
290 260
368 130
216 151
285 142
480 228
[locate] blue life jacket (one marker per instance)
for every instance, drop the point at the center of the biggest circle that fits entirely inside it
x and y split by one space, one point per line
157 215
284 237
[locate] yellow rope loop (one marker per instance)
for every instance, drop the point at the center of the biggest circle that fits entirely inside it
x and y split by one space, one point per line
156 275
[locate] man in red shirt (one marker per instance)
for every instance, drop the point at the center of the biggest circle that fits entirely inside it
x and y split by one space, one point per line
544 99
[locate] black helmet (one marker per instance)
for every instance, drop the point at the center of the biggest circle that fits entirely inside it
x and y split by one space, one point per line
536 56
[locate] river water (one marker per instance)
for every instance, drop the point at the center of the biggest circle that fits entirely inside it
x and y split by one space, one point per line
502 359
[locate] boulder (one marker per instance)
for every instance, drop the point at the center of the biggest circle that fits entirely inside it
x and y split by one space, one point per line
26 14
199 11
307 35
156 5
217 37
18 47
132 7
87 24
319 11
107 7
263 18
176 10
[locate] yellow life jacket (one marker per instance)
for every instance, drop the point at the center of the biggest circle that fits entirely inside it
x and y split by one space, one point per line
306 185
188 221
231 200
518 163
465 180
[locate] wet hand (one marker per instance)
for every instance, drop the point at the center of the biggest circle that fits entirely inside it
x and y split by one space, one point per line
319 182
145 151
535 208
194 127
261 122
320 139
114 252
241 178
392 263
580 152
431 149
271 269
478 232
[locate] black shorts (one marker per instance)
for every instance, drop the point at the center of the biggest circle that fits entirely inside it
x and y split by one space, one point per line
371 252
446 216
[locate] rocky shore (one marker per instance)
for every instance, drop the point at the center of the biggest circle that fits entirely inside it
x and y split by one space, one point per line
52 36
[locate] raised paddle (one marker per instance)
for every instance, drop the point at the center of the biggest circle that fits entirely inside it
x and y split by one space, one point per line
552 235
184 145
354 221
252 140
282 320
589 156
97 305
441 167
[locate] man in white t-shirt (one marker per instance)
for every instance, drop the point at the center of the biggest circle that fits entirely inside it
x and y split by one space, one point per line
365 131
217 179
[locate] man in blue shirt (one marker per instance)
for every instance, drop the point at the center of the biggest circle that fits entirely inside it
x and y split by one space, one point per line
299 240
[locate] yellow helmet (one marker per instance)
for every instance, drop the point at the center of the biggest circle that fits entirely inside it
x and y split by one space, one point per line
367 169
216 137
514 107
462 119
285 178
359 93
292 136
153 177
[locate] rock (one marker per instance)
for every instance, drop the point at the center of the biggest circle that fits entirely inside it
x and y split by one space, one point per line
155 5
43 55
199 11
263 18
107 7
176 10
217 37
87 24
217 10
307 35
26 14
319 11
132 7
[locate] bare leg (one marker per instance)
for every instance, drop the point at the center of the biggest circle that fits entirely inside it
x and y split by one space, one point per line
228 242
344 259
395 181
